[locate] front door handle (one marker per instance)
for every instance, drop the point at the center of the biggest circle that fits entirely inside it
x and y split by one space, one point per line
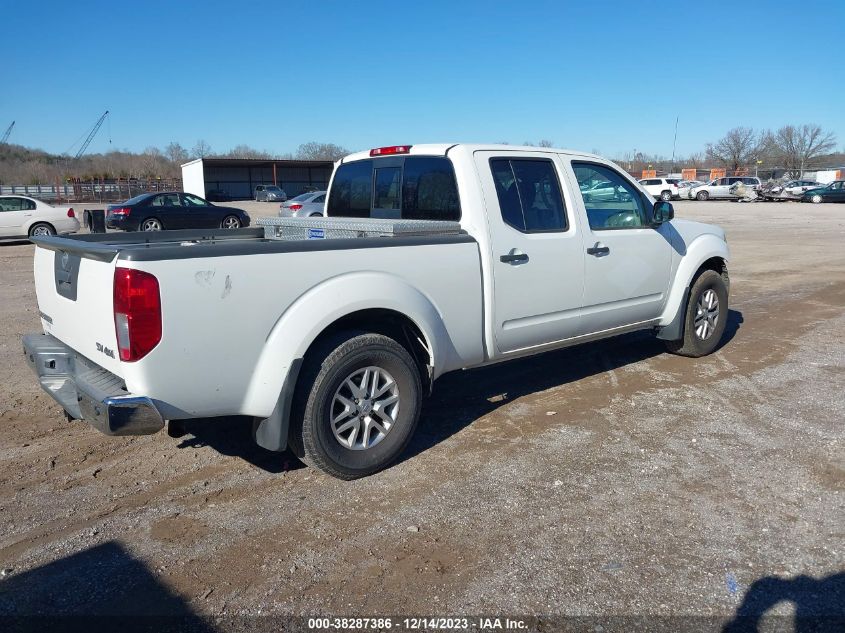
598 250
513 258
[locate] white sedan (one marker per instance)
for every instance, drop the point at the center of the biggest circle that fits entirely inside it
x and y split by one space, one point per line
22 216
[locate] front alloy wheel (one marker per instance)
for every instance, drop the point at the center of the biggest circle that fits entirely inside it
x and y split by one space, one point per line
816 198
231 222
706 314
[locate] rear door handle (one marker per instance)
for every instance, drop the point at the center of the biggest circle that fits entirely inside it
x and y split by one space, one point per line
514 258
598 250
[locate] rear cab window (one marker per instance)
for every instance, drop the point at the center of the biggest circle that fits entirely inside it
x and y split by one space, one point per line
409 187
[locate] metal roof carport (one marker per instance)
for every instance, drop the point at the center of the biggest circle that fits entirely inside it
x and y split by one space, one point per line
238 177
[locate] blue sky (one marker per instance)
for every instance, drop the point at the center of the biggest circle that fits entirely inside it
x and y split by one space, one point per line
606 76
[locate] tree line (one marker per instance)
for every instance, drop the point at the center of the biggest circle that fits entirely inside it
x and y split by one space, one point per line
795 148
24 166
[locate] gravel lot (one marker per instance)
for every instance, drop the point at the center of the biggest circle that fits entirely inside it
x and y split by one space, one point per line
606 480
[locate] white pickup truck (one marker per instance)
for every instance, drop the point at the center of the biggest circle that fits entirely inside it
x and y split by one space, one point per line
330 344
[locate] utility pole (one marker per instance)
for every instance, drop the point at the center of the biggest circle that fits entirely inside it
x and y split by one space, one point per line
675 141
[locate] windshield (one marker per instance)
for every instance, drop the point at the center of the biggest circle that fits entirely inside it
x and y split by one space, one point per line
273 189
301 197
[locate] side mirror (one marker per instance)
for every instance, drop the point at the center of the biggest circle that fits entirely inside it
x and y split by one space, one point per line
663 212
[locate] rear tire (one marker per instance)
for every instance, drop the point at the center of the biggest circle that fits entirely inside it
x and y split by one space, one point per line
347 436
41 229
702 195
151 224
705 318
666 196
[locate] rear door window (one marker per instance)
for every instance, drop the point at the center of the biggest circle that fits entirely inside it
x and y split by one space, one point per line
411 187
529 194
11 204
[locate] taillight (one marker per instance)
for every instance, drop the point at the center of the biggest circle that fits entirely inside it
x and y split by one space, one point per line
70 213
393 149
124 211
295 207
137 313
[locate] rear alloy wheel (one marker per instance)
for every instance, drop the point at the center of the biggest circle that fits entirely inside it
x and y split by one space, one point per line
231 222
702 195
666 196
816 198
705 318
41 230
356 404
151 224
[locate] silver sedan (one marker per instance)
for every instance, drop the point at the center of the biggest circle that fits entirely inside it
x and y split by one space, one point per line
305 205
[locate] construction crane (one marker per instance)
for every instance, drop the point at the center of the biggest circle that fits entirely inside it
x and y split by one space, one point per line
92 134
6 134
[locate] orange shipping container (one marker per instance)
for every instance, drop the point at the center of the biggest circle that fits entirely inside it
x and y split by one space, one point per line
717 172
688 174
649 173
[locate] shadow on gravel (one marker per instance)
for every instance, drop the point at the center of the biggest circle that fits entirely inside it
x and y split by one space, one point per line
232 436
462 397
100 589
819 605
459 398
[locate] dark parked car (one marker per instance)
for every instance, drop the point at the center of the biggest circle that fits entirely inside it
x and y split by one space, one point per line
834 192
172 210
217 195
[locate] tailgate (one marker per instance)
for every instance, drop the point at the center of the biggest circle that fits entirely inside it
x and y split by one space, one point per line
75 301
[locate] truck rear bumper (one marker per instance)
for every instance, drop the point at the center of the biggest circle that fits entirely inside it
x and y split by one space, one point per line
87 391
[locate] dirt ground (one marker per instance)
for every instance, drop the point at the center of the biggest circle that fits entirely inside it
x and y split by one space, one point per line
611 479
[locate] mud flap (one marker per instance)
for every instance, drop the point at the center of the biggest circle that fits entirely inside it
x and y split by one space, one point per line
272 433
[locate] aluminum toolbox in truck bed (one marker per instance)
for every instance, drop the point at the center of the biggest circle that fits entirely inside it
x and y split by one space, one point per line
337 228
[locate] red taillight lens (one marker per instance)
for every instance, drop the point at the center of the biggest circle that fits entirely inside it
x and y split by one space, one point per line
295 207
137 313
393 149
121 211
70 213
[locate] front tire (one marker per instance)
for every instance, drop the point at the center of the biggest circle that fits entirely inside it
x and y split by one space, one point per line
231 222
41 229
702 195
356 404
816 199
705 318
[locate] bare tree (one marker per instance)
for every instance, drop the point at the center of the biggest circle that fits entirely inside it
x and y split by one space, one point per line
735 149
201 149
321 151
176 154
799 147
245 151
545 143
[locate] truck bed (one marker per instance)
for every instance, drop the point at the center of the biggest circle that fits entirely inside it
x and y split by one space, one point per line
193 243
